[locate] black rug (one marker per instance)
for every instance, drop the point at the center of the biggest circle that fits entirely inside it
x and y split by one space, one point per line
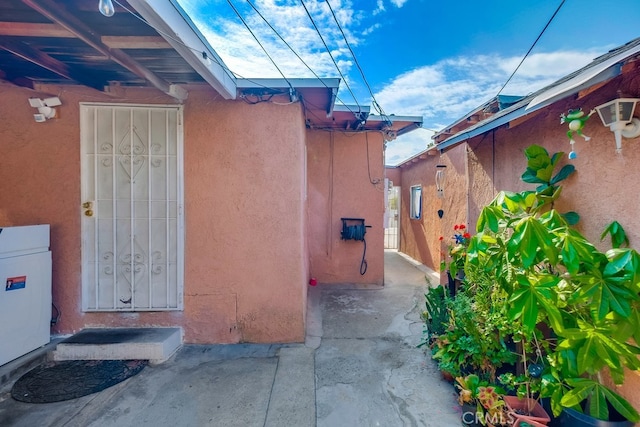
58 381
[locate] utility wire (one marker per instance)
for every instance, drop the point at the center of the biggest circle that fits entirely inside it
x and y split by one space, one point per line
230 73
532 46
330 55
294 52
260 44
374 102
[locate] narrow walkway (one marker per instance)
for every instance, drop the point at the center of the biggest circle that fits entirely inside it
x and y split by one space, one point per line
359 367
368 369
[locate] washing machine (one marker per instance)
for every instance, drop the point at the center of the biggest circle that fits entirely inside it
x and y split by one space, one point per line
25 290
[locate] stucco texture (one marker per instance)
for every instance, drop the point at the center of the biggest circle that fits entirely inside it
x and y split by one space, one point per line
346 180
246 257
420 238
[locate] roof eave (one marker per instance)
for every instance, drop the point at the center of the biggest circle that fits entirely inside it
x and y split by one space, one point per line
585 78
173 23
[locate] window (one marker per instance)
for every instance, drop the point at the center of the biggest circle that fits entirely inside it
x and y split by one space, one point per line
416 202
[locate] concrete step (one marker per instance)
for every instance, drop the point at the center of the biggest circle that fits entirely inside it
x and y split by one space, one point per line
153 344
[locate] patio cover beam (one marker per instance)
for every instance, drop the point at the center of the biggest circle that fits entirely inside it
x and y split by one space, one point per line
43 60
54 12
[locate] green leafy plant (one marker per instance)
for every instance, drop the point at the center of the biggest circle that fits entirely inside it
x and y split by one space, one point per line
435 315
472 342
587 301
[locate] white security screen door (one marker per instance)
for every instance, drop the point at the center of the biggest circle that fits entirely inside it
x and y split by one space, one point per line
132 207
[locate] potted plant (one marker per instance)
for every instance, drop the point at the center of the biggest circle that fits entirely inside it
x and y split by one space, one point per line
482 403
453 261
468 388
583 303
435 316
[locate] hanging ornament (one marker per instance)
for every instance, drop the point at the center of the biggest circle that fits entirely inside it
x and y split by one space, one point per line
576 120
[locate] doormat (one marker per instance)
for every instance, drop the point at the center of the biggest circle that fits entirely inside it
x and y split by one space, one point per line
58 381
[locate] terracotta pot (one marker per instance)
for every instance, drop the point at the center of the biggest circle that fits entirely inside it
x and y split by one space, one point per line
526 409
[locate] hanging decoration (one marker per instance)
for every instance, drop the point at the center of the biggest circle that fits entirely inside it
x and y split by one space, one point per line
576 119
440 177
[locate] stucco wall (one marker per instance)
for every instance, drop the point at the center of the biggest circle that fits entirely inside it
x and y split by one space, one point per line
246 256
420 237
340 185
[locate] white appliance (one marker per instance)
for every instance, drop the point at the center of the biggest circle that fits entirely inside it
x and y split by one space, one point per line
25 290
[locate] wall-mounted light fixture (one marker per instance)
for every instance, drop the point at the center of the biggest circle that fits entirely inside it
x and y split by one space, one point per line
618 116
440 178
45 108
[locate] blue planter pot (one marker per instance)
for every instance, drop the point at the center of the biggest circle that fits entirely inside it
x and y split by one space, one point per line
571 418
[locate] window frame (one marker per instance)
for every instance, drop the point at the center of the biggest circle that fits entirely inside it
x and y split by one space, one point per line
415 191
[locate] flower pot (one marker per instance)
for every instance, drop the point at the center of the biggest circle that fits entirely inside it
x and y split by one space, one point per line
469 416
526 409
573 418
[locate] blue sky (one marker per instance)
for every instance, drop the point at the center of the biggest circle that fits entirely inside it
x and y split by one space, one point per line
437 59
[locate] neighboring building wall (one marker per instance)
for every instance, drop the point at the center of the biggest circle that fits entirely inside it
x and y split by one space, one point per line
340 177
419 238
246 257
393 174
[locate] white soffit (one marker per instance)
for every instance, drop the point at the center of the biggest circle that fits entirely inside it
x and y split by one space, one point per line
582 78
168 18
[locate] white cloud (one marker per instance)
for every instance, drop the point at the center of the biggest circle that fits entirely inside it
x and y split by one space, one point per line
446 91
244 56
379 7
398 3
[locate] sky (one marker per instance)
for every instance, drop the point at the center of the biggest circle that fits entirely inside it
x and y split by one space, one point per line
438 59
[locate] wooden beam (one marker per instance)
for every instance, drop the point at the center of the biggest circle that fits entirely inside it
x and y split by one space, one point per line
135 42
57 13
43 60
28 29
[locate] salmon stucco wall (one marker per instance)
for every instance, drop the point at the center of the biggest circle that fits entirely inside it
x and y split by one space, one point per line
346 180
420 238
246 256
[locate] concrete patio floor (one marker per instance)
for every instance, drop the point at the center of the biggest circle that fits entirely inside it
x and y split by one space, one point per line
359 367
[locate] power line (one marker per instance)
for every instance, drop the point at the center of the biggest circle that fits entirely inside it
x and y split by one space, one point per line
260 44
532 46
373 98
233 75
293 50
330 55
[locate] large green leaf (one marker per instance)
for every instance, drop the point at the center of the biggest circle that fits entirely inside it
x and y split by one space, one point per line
524 308
564 173
623 407
618 235
489 218
571 217
530 176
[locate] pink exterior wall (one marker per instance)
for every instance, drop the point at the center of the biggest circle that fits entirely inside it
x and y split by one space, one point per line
340 186
419 238
246 257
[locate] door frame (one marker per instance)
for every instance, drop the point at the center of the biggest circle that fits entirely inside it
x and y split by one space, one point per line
180 227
